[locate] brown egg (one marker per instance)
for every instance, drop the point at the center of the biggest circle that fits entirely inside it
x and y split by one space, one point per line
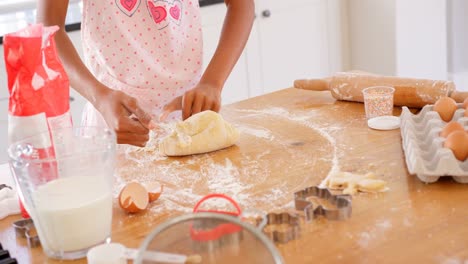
154 190
457 141
451 127
446 107
133 198
465 103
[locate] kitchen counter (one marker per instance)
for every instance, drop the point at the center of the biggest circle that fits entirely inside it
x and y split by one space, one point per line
23 13
290 140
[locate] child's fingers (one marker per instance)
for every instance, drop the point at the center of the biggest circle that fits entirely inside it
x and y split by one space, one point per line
163 116
208 105
132 105
131 125
144 118
132 139
174 105
151 126
187 103
198 104
216 106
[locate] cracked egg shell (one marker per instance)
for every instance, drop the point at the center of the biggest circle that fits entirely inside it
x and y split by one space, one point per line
446 108
155 190
133 198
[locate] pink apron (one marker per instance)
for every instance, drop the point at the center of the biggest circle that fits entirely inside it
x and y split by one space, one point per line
151 50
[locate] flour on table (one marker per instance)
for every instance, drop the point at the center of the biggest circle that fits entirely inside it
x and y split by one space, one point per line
303 120
373 233
180 180
260 133
351 184
155 137
226 178
187 180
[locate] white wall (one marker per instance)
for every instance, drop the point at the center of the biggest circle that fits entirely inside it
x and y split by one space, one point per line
458 42
371 26
399 37
338 35
421 38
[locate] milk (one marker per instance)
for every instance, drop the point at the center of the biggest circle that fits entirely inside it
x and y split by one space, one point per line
73 213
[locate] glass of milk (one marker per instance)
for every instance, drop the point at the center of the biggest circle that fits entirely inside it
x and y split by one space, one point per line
65 181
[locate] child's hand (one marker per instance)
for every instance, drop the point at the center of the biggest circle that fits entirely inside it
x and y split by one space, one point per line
202 97
174 105
123 115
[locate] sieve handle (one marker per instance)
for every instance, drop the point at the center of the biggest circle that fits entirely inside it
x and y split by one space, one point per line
221 196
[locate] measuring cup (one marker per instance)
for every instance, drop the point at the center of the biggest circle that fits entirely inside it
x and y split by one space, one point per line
64 177
378 101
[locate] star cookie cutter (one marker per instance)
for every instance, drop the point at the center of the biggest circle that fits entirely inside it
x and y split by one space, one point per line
25 229
341 202
291 231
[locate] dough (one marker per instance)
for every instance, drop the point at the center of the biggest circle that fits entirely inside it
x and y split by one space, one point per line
352 183
203 132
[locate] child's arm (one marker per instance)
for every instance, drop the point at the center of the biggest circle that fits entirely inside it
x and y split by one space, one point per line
236 29
116 107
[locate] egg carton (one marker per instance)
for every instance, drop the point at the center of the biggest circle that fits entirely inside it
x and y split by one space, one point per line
424 152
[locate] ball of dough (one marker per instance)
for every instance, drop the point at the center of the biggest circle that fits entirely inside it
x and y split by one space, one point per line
201 133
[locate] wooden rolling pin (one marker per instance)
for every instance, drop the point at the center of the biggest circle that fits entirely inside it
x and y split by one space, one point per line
409 92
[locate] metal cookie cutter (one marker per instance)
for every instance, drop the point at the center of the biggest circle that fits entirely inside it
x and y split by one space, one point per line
291 229
255 217
341 202
25 229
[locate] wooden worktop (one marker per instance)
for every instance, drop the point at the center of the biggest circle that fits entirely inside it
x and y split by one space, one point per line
290 140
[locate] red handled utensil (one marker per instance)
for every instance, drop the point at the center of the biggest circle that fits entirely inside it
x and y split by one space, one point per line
219 230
